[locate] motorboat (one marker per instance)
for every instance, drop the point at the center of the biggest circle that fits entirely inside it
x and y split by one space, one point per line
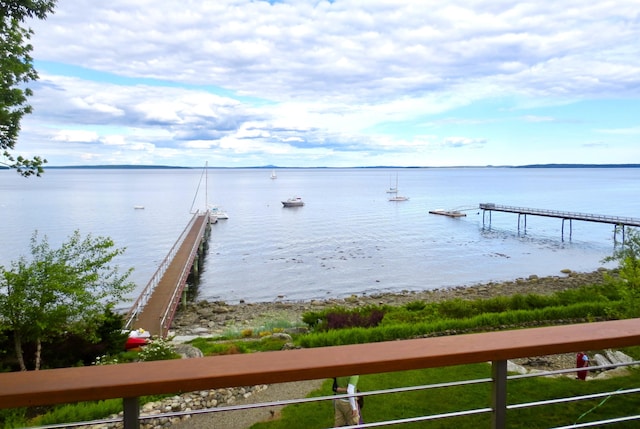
293 202
218 213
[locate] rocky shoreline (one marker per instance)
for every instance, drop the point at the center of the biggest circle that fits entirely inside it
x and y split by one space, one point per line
210 319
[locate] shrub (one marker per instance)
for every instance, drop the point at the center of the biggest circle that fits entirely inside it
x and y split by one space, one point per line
354 319
415 306
157 349
341 318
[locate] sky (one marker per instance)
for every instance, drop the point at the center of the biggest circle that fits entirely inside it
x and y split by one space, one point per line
343 83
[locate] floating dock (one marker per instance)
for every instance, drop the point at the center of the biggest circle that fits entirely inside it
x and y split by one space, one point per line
450 213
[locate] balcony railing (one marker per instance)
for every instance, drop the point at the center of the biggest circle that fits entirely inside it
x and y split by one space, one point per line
132 380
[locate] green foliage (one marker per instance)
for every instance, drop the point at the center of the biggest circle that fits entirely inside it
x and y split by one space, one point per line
469 397
212 346
480 322
60 291
340 318
16 67
628 280
72 348
82 411
158 349
13 418
416 306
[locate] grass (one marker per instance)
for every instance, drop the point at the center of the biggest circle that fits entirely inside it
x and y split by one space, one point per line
451 399
413 319
212 346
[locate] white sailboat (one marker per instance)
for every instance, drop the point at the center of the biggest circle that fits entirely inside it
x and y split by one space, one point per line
213 211
391 189
273 174
397 197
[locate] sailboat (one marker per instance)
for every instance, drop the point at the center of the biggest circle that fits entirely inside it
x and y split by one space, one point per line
273 174
391 189
213 211
397 197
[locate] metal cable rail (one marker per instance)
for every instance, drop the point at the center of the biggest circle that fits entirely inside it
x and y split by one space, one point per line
404 390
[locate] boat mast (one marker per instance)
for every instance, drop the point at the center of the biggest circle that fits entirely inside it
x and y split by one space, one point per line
206 185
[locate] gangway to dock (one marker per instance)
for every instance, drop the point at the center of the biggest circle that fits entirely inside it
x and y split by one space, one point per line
619 222
156 305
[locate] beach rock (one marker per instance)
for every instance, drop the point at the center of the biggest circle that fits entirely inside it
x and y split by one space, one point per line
187 351
280 336
616 357
600 360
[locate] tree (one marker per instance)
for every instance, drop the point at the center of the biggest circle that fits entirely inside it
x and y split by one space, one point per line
628 280
60 290
16 70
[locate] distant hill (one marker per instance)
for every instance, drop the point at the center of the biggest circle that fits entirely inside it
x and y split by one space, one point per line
579 166
116 167
158 167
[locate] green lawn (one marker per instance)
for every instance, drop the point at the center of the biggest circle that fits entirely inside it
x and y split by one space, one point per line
442 400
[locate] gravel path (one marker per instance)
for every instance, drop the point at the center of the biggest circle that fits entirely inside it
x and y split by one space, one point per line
243 419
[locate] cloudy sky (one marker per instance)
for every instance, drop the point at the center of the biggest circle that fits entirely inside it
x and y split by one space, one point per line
344 83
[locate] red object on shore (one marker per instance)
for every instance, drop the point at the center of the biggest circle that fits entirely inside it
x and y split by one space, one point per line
134 343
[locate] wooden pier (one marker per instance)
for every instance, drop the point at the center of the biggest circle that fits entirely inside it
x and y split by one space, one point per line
618 221
155 308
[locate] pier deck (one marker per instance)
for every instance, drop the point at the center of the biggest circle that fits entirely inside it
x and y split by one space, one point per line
618 221
155 308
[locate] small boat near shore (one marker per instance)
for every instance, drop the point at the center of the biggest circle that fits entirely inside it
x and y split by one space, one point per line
293 202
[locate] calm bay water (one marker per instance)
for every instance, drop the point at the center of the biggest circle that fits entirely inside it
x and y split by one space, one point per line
347 239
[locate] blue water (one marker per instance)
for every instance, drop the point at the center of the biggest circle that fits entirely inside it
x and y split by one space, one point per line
347 239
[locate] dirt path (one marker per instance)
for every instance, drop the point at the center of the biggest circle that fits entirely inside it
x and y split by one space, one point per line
243 419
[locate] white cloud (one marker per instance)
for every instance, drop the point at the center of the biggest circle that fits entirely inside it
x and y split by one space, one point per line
75 136
283 81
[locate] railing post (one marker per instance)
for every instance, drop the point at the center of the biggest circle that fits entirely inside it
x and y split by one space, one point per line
131 407
499 394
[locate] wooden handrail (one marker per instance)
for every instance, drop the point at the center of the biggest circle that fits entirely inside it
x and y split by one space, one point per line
68 385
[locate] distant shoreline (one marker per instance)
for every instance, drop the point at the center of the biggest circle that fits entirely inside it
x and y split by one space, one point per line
271 167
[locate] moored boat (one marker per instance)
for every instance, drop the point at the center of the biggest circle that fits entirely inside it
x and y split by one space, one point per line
218 212
293 202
